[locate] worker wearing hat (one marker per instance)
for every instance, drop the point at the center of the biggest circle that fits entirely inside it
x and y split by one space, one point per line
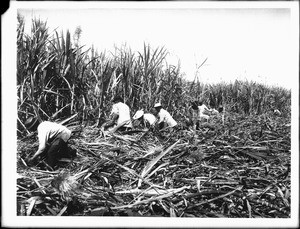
146 119
53 138
119 116
164 117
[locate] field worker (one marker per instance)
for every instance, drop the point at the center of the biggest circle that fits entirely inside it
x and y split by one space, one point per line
164 117
194 108
277 112
220 109
201 109
194 113
53 139
146 119
119 116
214 111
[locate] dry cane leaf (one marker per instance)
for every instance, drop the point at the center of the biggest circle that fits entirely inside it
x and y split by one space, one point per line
249 208
172 212
150 164
198 182
31 205
287 194
51 210
62 210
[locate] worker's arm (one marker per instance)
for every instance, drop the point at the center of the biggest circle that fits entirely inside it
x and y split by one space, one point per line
42 146
38 152
111 122
146 123
157 122
206 108
161 118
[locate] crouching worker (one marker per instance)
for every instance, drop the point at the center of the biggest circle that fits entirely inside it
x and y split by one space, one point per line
119 116
146 120
202 108
53 141
164 118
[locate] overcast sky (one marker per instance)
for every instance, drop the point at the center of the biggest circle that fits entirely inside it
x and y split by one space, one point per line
253 43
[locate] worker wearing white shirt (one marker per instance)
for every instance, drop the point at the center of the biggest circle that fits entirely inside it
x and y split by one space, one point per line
120 115
53 138
194 113
201 109
164 117
146 119
214 111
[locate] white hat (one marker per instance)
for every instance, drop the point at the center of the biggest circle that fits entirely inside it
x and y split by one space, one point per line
157 105
138 114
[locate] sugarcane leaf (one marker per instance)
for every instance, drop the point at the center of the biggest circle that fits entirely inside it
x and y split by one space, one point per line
151 163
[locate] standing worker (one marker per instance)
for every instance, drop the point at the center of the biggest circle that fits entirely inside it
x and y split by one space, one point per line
119 116
164 117
194 113
53 139
146 119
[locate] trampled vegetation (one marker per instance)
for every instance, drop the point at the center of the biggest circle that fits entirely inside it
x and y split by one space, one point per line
236 165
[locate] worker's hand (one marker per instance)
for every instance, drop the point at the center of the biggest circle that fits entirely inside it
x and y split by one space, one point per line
136 123
151 128
30 161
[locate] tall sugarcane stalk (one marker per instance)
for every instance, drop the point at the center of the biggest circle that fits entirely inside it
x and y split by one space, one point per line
54 79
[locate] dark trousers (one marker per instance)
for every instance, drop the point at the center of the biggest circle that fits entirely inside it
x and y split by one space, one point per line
124 128
58 149
162 125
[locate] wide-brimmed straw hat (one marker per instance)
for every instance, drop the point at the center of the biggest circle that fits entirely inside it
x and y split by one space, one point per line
138 114
157 105
31 122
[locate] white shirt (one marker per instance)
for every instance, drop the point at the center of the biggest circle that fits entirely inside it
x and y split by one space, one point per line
214 111
164 116
150 118
202 108
50 130
123 111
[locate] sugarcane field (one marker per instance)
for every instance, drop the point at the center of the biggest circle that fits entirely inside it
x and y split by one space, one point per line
124 133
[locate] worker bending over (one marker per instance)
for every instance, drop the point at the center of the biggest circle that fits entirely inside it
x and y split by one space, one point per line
145 119
53 139
119 116
164 118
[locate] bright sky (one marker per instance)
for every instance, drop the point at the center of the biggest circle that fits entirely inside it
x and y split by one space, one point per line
253 43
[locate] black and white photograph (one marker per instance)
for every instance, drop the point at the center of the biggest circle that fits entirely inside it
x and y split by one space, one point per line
150 114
